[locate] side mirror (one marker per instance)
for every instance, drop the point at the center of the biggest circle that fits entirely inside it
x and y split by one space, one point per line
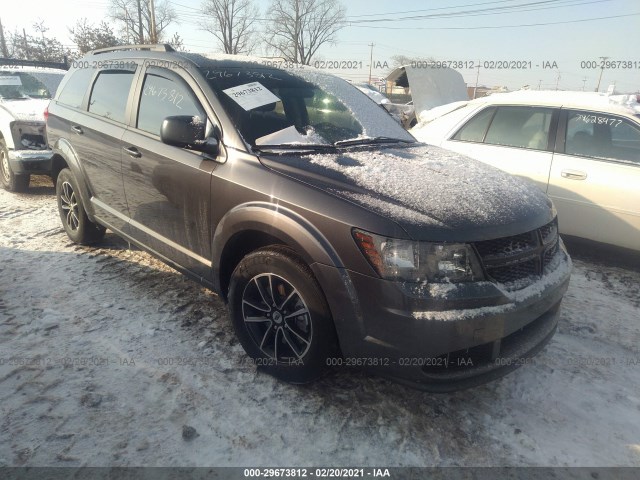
186 131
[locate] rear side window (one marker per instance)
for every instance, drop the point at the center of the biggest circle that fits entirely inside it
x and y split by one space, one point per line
110 93
592 134
476 128
524 127
73 92
165 97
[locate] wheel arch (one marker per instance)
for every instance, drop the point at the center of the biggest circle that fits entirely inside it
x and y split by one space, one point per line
250 226
64 156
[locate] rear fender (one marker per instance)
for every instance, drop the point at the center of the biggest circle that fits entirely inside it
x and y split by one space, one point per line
64 149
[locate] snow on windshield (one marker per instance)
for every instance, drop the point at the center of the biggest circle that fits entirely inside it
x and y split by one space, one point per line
376 122
265 103
33 84
291 136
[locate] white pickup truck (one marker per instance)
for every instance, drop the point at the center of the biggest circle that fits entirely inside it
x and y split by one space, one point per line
25 90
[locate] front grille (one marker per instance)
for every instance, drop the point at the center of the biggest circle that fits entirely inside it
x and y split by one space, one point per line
507 245
515 272
549 232
518 261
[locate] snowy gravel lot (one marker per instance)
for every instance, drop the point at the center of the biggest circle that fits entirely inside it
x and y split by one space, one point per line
106 354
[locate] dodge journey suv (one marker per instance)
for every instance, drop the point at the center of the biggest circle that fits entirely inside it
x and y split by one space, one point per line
334 237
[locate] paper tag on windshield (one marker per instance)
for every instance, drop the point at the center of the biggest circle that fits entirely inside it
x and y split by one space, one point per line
10 80
251 95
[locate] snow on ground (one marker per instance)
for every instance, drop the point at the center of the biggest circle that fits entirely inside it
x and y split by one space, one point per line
106 354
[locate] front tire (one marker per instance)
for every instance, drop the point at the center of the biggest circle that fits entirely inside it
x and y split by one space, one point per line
280 315
11 181
72 213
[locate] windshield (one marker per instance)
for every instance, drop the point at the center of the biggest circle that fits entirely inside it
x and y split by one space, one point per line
21 85
271 107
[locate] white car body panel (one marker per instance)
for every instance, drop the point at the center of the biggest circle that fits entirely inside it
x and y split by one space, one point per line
5 127
604 206
31 110
596 198
432 87
529 164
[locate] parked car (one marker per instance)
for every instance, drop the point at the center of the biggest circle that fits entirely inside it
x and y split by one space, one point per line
25 90
335 238
581 148
403 113
429 84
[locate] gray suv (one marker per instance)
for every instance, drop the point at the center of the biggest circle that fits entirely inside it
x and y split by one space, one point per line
335 238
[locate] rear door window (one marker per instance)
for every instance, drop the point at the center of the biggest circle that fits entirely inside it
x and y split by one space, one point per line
74 90
110 93
165 95
520 126
602 135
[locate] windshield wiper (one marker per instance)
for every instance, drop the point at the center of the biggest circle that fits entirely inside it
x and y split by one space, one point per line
370 141
320 147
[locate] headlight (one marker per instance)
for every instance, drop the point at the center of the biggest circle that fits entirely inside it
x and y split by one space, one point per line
410 261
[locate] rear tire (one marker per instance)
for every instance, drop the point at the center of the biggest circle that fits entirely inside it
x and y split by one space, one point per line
11 181
72 213
280 315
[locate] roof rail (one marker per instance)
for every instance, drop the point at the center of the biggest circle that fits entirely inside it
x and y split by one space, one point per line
18 62
160 47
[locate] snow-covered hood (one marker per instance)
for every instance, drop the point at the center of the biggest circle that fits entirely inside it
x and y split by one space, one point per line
434 194
30 110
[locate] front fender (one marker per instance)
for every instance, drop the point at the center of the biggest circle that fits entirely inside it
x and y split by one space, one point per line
279 222
65 150
314 248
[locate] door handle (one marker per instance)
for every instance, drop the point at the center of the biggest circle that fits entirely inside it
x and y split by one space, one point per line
77 129
573 174
132 151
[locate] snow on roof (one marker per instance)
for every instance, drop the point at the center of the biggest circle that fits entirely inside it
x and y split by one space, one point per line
23 69
593 100
426 116
266 62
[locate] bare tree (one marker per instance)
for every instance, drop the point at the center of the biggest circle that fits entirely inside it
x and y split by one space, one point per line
28 47
41 28
177 42
89 37
298 28
403 60
231 22
134 19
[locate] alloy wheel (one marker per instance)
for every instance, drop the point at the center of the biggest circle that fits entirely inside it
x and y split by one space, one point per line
277 318
5 166
69 205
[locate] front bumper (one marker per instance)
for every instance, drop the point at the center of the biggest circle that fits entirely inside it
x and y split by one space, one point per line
37 162
444 338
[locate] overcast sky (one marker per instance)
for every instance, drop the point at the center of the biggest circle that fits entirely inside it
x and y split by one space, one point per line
459 30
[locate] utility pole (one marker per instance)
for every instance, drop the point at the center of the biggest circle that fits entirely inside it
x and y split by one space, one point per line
130 25
475 89
3 44
604 59
370 61
154 33
584 80
140 30
26 47
557 81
